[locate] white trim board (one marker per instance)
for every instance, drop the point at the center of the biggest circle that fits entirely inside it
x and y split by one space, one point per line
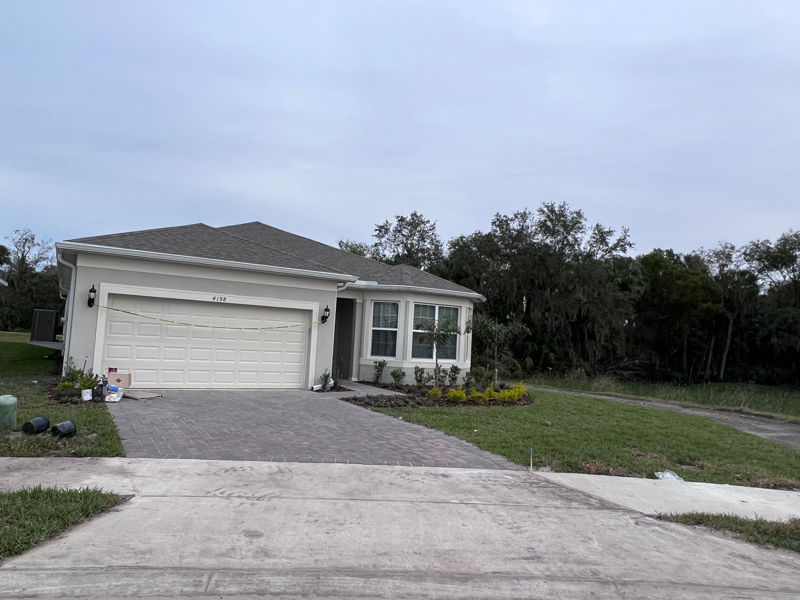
129 290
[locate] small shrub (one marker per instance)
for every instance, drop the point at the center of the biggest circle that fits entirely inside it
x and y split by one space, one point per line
377 376
439 376
419 376
398 375
481 377
479 397
468 380
428 378
67 389
324 380
88 380
456 395
513 394
72 374
336 376
434 393
452 375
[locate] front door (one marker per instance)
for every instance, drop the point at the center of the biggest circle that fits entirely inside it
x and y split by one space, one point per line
343 337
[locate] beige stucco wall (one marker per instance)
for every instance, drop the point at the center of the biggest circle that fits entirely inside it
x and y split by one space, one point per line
96 270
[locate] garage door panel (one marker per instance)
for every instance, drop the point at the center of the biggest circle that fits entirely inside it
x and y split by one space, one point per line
169 355
224 356
177 331
147 352
199 377
293 378
247 377
152 307
120 328
148 330
201 333
249 356
272 357
200 354
144 376
172 376
114 351
178 354
224 377
293 358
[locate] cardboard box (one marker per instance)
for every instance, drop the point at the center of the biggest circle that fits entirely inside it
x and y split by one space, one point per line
122 380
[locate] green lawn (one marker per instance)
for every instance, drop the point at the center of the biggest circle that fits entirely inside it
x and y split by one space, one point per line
14 336
30 516
579 435
25 372
779 534
747 397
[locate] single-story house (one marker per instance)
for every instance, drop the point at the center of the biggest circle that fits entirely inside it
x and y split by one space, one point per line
247 306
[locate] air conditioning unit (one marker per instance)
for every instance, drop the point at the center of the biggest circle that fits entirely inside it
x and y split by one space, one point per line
44 325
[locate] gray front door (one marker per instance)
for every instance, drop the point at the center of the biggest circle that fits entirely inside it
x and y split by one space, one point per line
343 337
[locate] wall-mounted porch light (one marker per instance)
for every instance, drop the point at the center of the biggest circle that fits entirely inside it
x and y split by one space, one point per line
325 314
92 296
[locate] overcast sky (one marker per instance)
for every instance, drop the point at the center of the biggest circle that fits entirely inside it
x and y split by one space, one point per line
679 120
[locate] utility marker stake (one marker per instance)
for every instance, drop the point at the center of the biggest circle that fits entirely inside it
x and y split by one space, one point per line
531 459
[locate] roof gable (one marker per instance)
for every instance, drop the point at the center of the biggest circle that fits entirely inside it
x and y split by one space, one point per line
202 241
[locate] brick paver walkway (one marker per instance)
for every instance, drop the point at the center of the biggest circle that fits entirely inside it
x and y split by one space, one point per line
284 426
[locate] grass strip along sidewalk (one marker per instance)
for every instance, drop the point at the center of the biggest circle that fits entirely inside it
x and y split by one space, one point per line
30 516
776 401
779 534
577 435
25 372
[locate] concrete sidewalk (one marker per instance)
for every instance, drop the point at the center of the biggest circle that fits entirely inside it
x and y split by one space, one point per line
654 497
203 528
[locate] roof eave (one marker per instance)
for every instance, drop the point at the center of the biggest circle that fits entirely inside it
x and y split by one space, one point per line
416 289
207 262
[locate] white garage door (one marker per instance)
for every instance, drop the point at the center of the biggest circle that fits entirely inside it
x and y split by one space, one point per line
163 355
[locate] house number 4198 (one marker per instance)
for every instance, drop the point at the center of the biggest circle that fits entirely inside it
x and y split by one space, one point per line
219 299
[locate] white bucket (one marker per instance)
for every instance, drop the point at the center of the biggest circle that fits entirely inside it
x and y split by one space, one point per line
86 395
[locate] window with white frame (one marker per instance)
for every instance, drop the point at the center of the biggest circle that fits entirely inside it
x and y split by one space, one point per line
420 348
384 328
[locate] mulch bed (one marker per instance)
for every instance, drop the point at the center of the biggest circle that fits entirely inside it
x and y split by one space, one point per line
422 401
338 388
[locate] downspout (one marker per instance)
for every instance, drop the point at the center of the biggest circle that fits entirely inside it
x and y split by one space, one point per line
70 305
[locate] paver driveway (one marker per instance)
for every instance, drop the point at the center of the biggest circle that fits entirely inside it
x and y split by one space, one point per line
284 426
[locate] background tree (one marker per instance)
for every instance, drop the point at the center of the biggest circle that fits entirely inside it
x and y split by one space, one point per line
491 344
5 255
32 280
740 289
554 274
359 248
778 321
564 294
410 240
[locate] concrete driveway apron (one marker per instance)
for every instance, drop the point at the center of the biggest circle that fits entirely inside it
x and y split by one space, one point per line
284 426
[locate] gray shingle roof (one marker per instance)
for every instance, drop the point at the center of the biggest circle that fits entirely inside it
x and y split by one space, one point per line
201 241
339 260
257 243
